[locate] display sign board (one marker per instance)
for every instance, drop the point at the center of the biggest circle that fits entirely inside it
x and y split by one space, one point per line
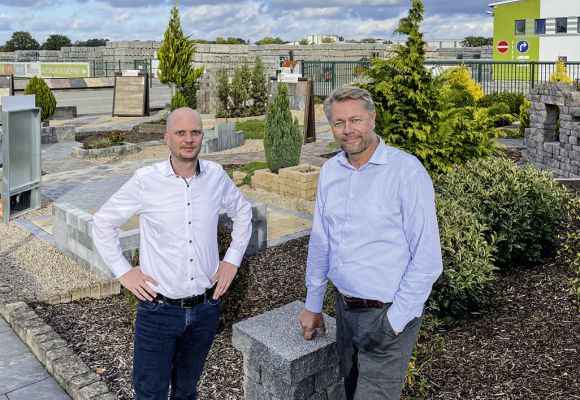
45 70
6 86
301 96
131 96
21 173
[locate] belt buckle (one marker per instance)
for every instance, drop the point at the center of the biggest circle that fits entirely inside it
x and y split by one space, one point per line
186 302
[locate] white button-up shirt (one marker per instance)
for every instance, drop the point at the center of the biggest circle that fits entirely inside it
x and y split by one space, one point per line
178 221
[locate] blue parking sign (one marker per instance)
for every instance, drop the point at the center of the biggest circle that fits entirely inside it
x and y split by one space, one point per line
523 46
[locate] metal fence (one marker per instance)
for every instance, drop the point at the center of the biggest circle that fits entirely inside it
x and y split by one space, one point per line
109 68
493 76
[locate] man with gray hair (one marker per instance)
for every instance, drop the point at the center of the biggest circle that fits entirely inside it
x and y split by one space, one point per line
180 278
375 236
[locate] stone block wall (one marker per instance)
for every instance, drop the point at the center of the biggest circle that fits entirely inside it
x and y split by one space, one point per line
73 235
280 365
554 104
57 134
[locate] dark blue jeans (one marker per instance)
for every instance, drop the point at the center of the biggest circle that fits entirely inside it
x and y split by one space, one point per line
171 346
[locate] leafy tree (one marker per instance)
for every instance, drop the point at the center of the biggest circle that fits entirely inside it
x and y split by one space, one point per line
238 95
282 139
259 91
368 40
327 40
44 99
476 41
270 40
56 42
233 40
21 40
411 114
220 40
175 56
92 43
223 95
303 42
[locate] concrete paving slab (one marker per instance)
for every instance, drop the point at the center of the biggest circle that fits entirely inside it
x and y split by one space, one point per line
47 389
4 326
11 345
19 371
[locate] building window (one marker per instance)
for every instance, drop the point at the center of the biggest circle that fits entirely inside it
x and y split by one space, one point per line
561 25
540 27
520 27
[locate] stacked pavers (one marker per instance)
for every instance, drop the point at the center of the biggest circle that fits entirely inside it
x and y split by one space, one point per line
280 365
546 150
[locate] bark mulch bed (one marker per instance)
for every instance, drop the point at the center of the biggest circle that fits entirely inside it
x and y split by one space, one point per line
130 136
524 345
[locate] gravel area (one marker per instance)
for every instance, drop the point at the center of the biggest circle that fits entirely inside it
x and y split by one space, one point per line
34 269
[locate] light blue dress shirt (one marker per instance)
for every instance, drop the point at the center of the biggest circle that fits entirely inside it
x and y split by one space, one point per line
375 234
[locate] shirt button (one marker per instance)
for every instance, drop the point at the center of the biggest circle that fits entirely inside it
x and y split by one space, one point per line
190 241
191 260
188 204
187 185
189 222
191 278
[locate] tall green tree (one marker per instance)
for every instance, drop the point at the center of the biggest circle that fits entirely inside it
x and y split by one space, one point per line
175 57
259 90
21 40
223 93
238 95
282 137
56 42
91 43
476 41
270 40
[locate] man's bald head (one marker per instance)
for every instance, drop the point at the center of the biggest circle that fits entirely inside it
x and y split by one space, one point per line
182 112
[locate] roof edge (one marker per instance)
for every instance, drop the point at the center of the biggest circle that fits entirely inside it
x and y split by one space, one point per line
499 3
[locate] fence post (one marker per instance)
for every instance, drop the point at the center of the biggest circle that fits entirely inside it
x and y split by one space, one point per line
533 73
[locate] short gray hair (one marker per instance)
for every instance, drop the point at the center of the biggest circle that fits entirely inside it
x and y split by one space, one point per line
349 93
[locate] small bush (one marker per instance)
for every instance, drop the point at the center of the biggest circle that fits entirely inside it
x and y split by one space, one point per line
522 207
524 116
457 84
177 101
283 138
500 113
468 268
569 240
560 74
44 99
97 144
513 101
117 137
252 128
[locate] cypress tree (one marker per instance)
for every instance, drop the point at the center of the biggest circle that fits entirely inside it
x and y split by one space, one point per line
175 56
246 78
223 95
238 95
43 97
282 138
259 92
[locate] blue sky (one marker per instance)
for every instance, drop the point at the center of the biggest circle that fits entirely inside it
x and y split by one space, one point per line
207 19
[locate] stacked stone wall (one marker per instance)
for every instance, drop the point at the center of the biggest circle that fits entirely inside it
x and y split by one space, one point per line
553 139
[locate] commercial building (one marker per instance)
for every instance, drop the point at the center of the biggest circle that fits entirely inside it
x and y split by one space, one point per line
536 30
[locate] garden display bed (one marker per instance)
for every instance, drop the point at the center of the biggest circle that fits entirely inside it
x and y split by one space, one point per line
299 181
525 344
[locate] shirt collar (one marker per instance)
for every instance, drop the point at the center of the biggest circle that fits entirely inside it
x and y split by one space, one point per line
379 156
170 172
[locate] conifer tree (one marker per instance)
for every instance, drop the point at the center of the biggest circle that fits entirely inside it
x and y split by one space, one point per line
282 137
259 92
43 97
223 95
238 95
246 77
175 56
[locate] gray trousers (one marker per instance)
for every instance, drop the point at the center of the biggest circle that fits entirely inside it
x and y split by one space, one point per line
373 360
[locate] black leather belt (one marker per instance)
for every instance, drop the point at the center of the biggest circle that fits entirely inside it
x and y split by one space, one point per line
187 302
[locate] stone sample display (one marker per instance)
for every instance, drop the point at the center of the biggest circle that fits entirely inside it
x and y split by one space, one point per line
280 365
299 181
553 139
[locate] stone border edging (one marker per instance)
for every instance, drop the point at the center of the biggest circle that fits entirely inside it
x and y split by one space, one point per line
67 368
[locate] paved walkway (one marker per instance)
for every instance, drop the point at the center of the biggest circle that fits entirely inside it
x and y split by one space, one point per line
22 377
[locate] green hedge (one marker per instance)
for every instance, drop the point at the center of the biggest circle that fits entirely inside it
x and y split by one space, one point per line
513 101
468 268
522 207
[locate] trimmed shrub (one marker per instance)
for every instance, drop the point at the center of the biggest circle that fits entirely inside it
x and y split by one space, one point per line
560 74
458 85
569 243
468 268
44 99
223 94
238 95
522 207
524 116
513 101
259 92
282 138
178 101
500 113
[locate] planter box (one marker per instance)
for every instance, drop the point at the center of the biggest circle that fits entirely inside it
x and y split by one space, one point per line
299 181
127 148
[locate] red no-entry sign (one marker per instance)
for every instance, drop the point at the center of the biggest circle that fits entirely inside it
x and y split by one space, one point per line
503 46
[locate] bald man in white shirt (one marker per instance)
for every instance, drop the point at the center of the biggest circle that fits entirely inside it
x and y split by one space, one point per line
180 278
